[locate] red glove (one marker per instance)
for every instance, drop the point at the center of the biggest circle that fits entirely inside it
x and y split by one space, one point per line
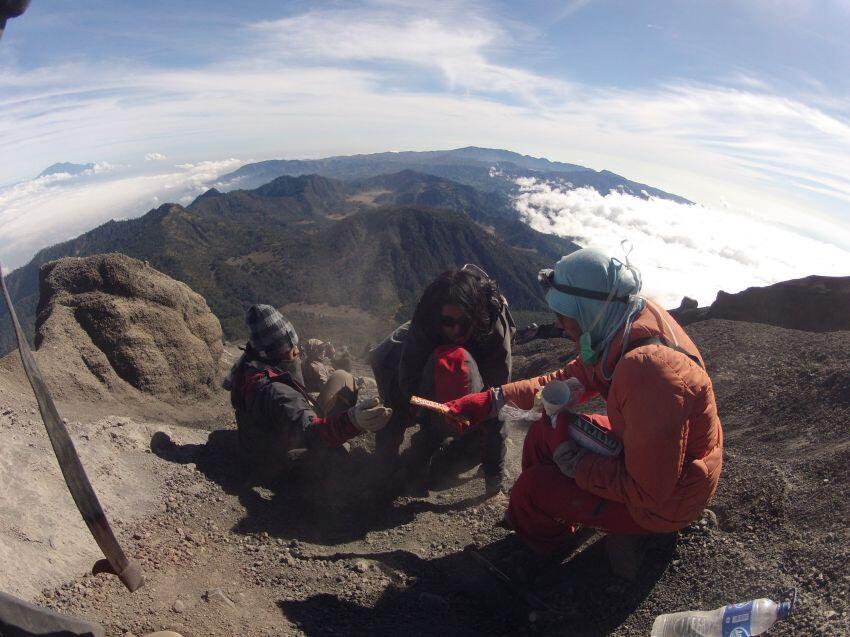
335 430
475 408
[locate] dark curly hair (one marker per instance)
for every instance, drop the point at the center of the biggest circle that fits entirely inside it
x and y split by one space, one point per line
477 295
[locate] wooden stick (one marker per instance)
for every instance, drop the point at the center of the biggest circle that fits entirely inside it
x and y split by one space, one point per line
128 571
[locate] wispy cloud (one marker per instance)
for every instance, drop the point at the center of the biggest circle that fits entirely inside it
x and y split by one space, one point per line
51 209
155 157
571 7
682 250
456 50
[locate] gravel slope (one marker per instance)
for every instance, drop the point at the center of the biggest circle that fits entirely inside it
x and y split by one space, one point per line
224 557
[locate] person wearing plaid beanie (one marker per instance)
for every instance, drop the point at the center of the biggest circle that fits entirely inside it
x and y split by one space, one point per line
275 414
270 332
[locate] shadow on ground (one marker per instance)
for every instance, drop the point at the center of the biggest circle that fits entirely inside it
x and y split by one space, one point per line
453 595
341 505
447 595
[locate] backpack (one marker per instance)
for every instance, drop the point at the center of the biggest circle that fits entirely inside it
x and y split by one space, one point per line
384 360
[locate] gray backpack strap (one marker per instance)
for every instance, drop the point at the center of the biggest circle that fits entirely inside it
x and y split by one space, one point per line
384 360
657 340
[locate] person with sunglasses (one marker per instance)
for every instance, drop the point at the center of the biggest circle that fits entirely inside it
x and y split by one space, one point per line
660 408
458 342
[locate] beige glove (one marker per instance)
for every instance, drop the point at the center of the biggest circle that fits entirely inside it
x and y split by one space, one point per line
370 415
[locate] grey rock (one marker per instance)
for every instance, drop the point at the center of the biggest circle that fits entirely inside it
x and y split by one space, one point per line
217 596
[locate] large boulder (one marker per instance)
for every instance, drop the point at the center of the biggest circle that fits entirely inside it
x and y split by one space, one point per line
109 323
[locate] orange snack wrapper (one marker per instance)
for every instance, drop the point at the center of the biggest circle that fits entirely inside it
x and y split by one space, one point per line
440 408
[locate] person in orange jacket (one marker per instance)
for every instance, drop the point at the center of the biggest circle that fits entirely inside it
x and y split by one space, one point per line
660 407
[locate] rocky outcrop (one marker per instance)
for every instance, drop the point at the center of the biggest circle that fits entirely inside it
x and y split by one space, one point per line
111 323
812 304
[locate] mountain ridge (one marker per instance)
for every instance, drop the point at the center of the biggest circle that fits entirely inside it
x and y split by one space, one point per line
483 168
293 240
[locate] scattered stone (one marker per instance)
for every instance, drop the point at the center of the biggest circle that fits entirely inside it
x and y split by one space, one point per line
480 539
217 596
709 517
178 606
361 566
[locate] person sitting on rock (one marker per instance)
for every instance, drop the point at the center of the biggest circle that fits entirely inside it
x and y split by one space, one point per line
319 360
660 407
275 414
458 342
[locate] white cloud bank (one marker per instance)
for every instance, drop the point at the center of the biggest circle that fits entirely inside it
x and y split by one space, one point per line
48 210
681 250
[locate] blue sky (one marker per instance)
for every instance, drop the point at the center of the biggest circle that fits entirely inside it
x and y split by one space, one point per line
741 106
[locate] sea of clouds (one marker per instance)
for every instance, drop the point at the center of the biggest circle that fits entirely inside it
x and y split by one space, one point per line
40 212
681 249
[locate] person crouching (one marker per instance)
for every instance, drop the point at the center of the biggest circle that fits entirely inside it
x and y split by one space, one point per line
276 417
458 342
660 407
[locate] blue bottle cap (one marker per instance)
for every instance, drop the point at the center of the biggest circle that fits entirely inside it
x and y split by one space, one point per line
787 607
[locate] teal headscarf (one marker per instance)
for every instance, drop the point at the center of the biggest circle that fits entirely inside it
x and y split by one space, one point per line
599 320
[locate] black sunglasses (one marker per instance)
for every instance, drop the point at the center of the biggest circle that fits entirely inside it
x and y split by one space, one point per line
546 279
464 322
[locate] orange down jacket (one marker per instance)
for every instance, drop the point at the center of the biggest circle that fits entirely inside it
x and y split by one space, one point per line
661 406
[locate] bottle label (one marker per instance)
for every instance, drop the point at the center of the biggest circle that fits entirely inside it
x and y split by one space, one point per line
736 620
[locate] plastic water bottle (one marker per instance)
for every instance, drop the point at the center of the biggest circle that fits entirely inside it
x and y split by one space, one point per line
748 619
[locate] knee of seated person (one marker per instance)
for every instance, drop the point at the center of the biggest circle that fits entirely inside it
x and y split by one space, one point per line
455 372
535 479
339 393
342 378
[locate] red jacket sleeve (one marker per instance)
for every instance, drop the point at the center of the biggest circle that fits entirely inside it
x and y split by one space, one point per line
655 402
521 393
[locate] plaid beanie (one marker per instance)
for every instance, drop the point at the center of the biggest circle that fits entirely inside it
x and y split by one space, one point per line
269 330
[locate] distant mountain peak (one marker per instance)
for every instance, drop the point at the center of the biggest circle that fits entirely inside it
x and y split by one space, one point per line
66 167
288 186
212 192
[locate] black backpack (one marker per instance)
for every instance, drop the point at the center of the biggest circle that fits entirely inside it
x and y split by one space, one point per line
384 359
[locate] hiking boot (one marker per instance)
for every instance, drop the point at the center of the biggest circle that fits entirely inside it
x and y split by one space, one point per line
533 569
505 522
525 567
627 553
442 470
494 484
